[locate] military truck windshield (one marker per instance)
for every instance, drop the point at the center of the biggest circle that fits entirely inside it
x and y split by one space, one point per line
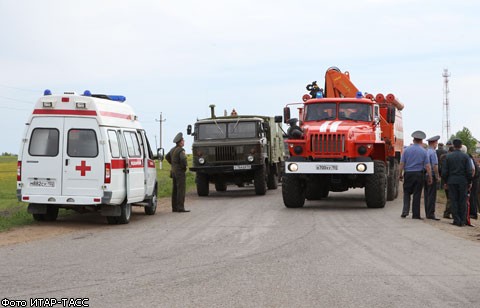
222 130
354 111
320 111
242 130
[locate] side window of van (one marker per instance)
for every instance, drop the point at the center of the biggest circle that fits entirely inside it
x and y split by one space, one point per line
82 143
44 142
133 146
113 142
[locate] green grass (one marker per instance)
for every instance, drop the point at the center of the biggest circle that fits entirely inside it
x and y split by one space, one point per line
14 213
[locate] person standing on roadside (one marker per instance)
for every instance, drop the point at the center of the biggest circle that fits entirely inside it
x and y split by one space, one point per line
447 213
457 174
413 165
177 158
430 191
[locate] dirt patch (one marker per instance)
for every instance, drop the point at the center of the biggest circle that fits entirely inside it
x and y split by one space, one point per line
71 223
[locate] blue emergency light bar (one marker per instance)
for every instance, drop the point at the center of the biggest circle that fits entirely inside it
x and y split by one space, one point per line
117 98
359 94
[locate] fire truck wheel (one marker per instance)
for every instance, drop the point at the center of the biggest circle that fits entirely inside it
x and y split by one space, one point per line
392 183
126 209
52 213
259 181
272 181
220 186
293 191
151 207
202 184
376 186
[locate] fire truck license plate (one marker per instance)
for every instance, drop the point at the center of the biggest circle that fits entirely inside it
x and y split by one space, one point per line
327 167
42 183
242 167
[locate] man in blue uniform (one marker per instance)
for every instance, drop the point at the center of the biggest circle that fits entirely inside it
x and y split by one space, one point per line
430 191
413 164
457 174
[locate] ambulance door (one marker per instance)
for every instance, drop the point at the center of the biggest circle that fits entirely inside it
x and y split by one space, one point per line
84 158
149 169
135 173
42 157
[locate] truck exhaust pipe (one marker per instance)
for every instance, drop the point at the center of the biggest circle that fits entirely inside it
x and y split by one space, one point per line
212 111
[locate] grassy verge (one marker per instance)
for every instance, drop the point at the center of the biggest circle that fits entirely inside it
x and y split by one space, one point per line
14 213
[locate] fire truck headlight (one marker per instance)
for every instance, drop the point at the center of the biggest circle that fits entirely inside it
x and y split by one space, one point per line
201 160
298 150
250 158
361 167
292 167
362 150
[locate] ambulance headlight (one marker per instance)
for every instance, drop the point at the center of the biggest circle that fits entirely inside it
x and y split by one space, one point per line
250 158
292 167
361 167
201 160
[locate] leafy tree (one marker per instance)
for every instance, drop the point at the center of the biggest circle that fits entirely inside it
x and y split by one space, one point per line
467 139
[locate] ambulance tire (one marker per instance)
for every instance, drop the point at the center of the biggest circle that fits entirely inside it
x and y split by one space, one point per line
151 206
260 181
124 217
38 217
376 186
52 213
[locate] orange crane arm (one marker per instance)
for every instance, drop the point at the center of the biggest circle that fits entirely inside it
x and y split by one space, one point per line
338 84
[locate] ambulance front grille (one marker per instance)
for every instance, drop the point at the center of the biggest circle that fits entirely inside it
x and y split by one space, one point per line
225 153
327 143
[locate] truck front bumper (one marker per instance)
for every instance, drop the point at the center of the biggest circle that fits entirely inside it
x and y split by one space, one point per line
298 167
227 168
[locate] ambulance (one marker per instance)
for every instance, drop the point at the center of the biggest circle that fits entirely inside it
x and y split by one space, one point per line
86 152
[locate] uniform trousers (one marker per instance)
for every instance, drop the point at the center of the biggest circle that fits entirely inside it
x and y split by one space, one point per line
412 184
458 197
430 198
178 191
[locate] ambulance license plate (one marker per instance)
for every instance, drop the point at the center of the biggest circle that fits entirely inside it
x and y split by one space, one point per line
42 183
242 167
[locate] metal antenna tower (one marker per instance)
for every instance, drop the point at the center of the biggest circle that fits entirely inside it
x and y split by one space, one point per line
446 105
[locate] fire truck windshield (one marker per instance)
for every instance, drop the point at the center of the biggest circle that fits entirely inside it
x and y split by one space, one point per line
355 111
320 111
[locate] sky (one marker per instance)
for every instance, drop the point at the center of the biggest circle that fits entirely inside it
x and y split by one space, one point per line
175 58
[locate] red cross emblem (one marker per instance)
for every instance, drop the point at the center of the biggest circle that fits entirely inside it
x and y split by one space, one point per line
83 168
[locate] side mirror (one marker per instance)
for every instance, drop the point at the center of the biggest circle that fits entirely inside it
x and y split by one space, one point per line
278 119
160 154
286 114
189 129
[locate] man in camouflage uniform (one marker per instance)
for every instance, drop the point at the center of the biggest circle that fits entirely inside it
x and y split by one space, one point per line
177 158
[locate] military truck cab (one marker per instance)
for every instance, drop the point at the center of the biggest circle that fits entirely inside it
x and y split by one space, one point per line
86 152
238 150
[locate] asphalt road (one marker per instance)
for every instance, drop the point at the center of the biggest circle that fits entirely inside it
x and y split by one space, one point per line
236 249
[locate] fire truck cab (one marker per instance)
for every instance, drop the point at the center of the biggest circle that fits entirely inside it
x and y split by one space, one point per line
86 152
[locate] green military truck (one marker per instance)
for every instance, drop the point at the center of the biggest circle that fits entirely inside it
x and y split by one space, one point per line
237 150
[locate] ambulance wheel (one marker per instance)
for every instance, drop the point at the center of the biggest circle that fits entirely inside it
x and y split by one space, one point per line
52 213
38 217
151 207
124 217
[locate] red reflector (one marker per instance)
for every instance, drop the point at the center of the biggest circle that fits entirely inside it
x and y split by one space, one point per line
26 198
19 171
65 99
96 200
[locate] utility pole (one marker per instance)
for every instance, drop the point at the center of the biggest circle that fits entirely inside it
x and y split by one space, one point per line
446 105
161 121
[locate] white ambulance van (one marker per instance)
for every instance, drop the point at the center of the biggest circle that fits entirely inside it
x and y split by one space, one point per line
86 152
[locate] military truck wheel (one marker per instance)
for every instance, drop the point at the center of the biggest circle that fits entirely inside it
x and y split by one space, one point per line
151 206
220 186
202 184
376 186
392 182
272 181
52 213
293 191
126 209
259 181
